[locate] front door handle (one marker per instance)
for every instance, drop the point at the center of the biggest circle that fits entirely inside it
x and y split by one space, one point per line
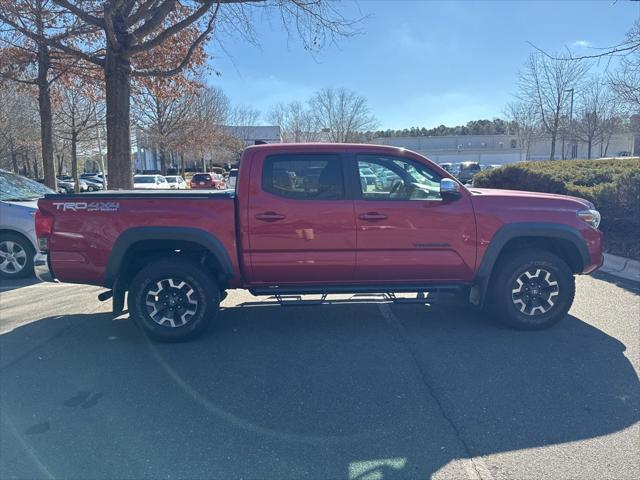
372 216
270 216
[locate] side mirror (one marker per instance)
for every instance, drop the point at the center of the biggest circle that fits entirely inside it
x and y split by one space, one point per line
449 189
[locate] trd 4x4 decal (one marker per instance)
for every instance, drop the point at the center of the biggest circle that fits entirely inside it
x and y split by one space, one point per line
87 206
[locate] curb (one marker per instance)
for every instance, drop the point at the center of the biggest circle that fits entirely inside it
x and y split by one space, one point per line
622 267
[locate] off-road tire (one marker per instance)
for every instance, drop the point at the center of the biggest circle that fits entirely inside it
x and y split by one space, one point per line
531 290
173 299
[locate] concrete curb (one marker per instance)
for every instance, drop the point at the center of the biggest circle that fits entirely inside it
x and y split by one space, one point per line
622 267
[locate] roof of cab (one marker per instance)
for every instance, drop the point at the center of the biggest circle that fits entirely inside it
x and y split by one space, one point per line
324 146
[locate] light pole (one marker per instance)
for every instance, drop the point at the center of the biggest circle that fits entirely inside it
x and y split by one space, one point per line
571 123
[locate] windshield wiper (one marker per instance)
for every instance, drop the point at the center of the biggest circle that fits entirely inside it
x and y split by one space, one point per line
19 199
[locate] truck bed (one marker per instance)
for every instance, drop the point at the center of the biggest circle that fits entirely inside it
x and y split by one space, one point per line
88 226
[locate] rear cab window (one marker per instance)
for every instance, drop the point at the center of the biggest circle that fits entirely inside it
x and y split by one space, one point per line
304 176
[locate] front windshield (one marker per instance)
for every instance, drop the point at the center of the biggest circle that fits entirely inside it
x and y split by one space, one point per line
18 188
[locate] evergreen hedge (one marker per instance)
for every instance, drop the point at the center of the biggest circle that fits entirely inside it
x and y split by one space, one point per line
613 185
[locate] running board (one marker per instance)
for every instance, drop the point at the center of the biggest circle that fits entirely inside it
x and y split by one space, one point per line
292 295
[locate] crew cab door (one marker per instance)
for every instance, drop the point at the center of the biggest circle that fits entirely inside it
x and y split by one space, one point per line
406 231
301 222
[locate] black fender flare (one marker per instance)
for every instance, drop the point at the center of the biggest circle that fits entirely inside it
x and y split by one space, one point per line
510 231
134 235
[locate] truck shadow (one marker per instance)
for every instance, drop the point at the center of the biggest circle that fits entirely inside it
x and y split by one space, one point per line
339 391
628 285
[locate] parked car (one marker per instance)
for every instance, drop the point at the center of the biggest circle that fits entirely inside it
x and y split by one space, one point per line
150 182
94 177
233 177
447 166
18 242
93 185
67 182
467 171
513 252
207 180
176 182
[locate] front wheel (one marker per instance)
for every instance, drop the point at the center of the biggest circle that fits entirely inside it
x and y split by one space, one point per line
173 299
532 290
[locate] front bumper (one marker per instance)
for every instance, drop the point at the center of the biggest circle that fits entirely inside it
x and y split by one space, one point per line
41 268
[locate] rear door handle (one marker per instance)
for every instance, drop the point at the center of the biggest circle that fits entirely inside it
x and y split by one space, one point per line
372 216
270 216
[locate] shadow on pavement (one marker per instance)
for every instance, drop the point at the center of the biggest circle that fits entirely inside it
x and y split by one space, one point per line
338 391
628 285
8 285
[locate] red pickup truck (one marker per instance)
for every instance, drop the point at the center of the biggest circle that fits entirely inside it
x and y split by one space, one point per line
305 218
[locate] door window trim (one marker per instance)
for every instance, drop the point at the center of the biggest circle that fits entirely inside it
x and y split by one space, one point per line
340 156
354 177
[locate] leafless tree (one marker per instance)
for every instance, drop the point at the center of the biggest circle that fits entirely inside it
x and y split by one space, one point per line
204 133
546 84
342 114
296 120
162 38
163 118
77 116
19 127
596 108
626 80
30 60
526 125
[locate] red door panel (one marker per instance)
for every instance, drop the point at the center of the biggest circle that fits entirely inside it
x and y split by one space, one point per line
418 240
295 240
406 231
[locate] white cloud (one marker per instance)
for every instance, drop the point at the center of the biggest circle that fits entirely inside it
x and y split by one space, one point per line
581 43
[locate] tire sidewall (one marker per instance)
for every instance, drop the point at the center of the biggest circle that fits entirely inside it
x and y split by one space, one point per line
27 270
515 267
207 293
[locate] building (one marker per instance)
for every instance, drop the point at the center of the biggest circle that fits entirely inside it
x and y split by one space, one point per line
501 149
252 134
147 157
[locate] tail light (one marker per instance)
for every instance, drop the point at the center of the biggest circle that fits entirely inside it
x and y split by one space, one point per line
44 229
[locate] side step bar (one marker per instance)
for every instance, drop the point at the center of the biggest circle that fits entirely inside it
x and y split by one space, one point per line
355 289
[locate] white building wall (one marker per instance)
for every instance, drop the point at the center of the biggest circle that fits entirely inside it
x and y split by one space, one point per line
497 149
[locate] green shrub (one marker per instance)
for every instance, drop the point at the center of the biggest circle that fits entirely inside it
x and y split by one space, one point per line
612 185
512 177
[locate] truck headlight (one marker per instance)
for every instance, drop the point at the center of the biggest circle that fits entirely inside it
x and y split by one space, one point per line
591 216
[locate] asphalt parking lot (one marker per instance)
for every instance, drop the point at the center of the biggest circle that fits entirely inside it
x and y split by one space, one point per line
367 390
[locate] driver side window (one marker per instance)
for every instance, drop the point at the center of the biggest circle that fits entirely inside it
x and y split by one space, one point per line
394 178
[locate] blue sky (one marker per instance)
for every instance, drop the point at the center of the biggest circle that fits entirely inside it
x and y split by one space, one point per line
418 63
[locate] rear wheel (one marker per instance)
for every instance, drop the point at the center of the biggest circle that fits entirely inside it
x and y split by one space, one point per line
532 290
173 299
16 256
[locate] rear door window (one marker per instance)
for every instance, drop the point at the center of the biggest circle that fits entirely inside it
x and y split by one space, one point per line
304 177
